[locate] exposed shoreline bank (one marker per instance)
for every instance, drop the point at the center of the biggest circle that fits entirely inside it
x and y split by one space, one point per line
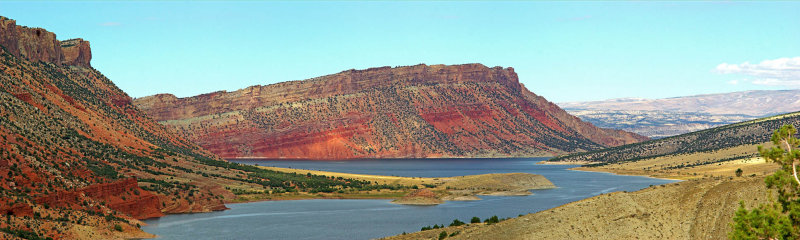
386 158
624 173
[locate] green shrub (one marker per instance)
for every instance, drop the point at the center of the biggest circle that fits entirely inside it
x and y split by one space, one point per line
456 222
442 235
492 220
475 220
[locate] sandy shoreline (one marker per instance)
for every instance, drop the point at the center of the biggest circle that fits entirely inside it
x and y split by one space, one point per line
566 163
612 171
623 173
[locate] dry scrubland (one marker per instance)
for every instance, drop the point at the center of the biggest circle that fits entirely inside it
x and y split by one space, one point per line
693 209
701 207
695 165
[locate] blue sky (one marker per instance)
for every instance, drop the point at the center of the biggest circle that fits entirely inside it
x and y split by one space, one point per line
564 51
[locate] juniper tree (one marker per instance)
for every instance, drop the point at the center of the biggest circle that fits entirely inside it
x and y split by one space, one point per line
778 219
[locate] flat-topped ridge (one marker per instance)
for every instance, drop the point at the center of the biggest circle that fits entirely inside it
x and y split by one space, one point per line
342 83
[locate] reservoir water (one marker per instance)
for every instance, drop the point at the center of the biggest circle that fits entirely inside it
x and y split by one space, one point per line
366 219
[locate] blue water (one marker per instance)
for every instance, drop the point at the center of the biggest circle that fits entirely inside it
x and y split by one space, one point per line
365 219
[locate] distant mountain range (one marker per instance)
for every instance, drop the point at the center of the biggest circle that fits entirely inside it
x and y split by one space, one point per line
657 118
713 140
419 111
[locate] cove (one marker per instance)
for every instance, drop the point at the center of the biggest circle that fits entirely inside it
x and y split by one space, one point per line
366 219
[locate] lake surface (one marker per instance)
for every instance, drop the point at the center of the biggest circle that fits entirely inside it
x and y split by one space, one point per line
365 219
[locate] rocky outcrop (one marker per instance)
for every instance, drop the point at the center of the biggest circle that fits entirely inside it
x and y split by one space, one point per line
416 111
76 52
37 44
18 209
124 196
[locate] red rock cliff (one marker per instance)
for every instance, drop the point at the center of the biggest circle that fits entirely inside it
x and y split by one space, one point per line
465 110
76 52
37 44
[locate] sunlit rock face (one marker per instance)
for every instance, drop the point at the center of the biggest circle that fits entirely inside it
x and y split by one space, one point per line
37 44
74 150
419 111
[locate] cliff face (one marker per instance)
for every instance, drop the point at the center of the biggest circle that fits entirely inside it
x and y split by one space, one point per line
36 44
416 111
76 52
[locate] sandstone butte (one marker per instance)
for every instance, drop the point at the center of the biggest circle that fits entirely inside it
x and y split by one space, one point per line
79 161
420 111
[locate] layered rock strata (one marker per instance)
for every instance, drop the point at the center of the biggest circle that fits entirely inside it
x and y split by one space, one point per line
419 111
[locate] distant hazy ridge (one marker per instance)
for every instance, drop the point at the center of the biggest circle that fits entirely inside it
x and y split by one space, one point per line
657 118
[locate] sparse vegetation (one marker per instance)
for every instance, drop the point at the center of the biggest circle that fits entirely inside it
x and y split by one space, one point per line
456 223
779 219
492 220
709 140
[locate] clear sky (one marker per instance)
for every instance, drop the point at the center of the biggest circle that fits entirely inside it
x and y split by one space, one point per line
564 51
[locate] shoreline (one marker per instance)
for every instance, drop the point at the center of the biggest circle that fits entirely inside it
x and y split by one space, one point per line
456 188
587 169
381 158
545 162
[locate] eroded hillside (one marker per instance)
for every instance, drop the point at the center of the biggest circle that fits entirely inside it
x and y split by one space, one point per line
415 111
